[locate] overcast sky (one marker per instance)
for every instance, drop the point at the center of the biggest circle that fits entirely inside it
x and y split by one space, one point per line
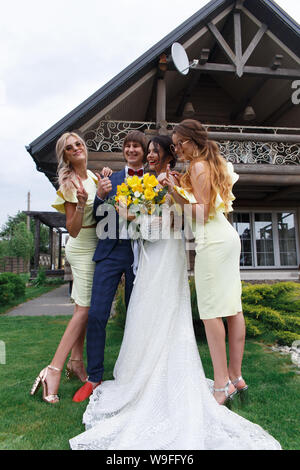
54 55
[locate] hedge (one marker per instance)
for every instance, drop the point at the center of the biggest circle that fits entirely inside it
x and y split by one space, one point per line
270 311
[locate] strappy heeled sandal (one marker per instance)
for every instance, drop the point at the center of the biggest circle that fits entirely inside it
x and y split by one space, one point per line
41 380
243 391
70 372
228 396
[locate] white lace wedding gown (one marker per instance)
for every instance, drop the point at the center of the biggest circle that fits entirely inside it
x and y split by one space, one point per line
160 398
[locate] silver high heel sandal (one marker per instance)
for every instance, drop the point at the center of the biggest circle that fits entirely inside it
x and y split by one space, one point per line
41 380
243 391
228 396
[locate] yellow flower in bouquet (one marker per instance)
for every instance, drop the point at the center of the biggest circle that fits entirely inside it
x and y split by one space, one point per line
123 200
134 183
123 190
142 195
149 194
150 180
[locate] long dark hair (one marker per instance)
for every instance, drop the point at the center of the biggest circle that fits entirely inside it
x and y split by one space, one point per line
165 143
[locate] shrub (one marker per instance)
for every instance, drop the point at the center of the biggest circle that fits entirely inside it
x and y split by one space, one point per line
273 310
286 337
253 327
12 286
41 277
270 310
292 323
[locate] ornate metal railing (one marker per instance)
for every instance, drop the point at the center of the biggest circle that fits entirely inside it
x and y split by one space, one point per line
277 153
238 144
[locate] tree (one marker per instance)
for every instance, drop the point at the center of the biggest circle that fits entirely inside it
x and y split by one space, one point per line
8 229
21 242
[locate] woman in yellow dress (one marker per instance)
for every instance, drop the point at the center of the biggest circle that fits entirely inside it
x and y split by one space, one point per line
75 198
207 185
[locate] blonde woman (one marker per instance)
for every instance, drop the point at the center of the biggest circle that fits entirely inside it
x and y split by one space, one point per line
208 184
75 198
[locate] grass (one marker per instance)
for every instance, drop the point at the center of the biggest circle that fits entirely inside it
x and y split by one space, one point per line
27 423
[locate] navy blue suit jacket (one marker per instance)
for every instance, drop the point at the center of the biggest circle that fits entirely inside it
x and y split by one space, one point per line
104 247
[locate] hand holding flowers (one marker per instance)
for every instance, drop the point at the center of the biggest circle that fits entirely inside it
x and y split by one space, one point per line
139 196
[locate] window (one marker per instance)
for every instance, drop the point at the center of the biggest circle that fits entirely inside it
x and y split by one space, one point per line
287 239
268 239
264 239
241 223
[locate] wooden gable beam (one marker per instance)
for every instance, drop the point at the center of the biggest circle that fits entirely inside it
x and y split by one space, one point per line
222 42
237 58
254 43
280 73
238 42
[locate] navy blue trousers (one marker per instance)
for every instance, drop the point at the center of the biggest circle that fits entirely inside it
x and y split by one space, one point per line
108 273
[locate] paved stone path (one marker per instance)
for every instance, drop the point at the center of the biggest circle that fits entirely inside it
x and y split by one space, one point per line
55 302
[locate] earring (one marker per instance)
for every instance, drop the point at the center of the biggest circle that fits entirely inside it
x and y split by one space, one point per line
195 153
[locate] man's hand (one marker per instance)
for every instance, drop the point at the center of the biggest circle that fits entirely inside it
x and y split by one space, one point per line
104 186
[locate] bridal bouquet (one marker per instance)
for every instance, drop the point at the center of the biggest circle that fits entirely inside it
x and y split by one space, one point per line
141 195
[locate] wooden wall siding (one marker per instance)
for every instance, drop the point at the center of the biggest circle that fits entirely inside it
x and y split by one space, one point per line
14 265
211 103
290 117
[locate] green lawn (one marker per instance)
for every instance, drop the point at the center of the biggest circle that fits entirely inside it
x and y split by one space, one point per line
28 423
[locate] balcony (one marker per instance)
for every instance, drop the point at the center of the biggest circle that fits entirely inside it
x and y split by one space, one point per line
238 144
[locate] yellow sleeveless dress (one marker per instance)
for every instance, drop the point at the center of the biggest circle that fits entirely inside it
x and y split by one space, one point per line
217 261
80 250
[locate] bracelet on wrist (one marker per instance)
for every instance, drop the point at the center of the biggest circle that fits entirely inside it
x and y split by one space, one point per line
80 209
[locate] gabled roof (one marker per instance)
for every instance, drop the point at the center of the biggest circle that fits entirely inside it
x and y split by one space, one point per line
266 11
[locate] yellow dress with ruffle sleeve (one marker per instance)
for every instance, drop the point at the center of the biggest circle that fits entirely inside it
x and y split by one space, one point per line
217 261
80 250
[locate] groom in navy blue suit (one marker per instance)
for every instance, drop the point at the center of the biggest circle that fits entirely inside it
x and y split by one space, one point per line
113 257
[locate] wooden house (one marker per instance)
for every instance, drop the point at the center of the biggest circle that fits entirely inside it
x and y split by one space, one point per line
245 87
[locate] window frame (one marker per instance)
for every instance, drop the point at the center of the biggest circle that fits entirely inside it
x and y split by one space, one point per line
276 247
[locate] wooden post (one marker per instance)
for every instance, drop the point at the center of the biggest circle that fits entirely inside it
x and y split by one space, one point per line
161 101
51 245
37 243
28 209
298 228
238 43
59 250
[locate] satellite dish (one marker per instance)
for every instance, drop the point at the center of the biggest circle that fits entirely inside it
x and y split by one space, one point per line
181 60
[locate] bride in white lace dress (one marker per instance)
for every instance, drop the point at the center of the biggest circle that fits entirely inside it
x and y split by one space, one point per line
160 398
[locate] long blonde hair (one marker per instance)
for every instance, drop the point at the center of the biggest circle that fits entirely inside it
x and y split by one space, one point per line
206 150
65 171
